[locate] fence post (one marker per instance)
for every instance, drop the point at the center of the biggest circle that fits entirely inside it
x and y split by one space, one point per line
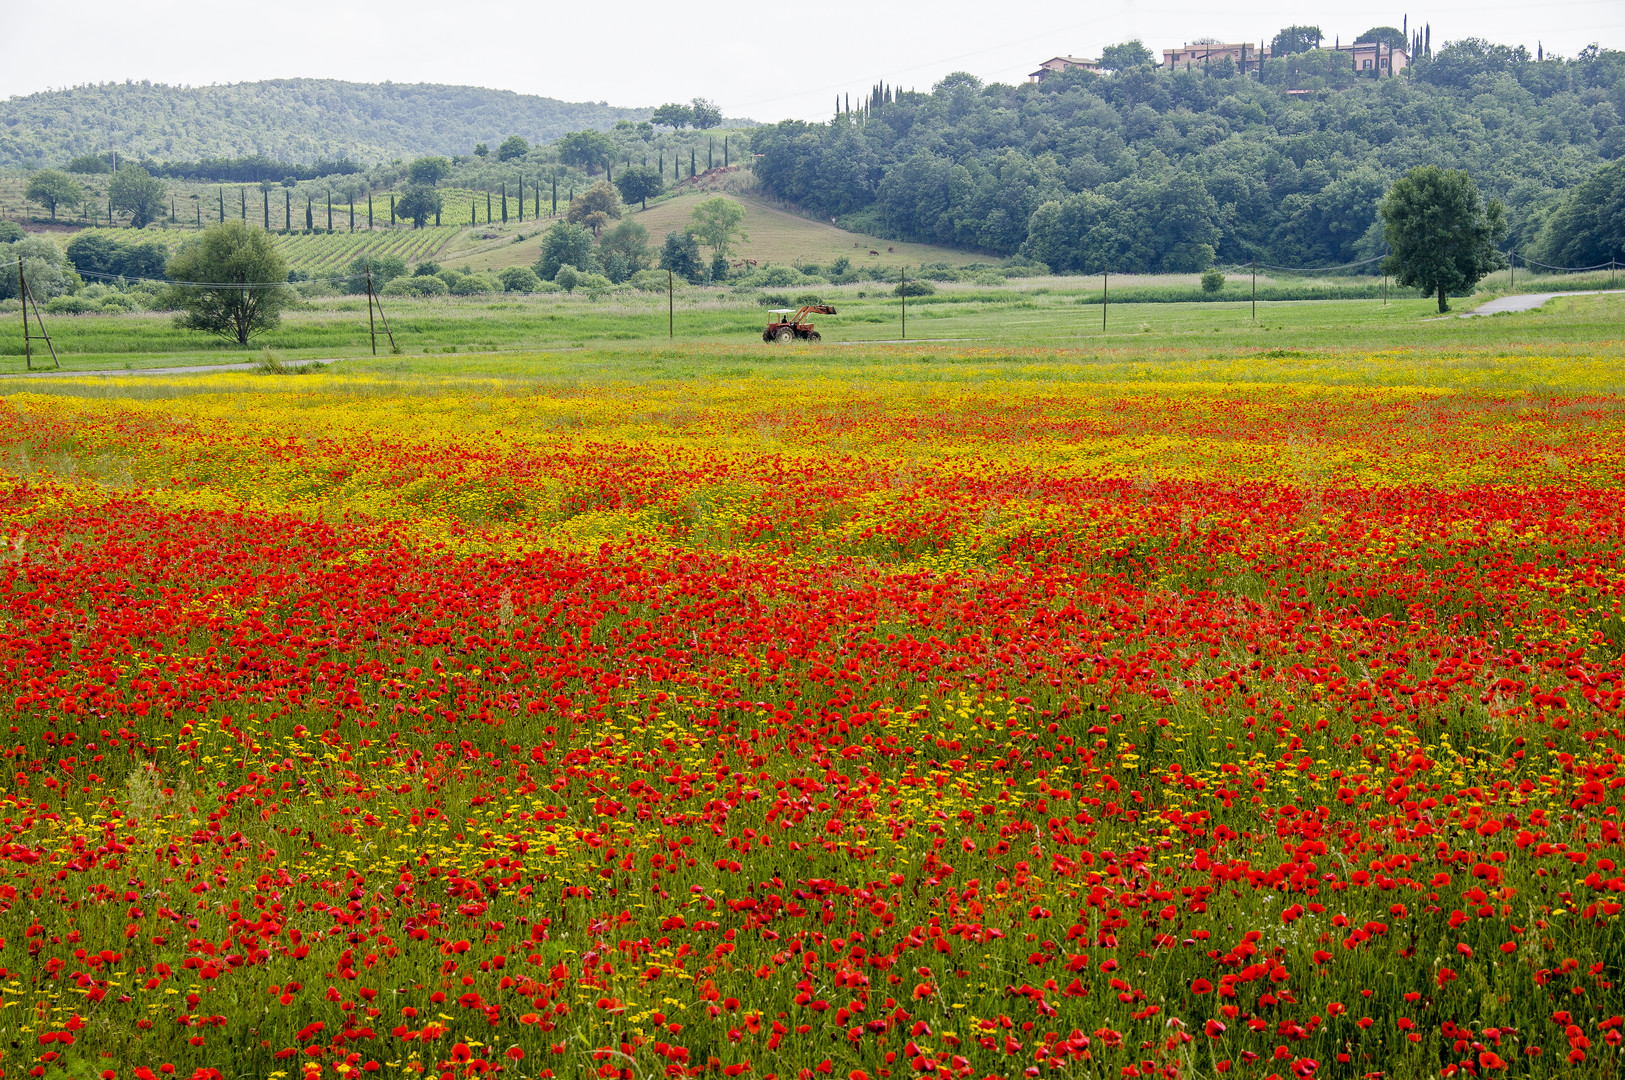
22 305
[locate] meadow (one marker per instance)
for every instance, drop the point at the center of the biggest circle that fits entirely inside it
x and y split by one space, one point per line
1179 703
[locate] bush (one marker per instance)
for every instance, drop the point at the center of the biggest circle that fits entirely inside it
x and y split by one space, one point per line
1212 279
415 286
519 279
567 278
914 288
808 298
71 305
10 232
474 285
648 280
771 300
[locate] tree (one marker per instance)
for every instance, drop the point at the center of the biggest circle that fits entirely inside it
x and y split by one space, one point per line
89 164
592 150
673 115
429 170
519 279
1130 54
419 203
681 255
246 260
137 193
718 222
637 183
595 207
49 187
564 244
1295 39
1443 237
1384 35
481 150
512 147
48 272
624 250
1588 227
383 268
706 114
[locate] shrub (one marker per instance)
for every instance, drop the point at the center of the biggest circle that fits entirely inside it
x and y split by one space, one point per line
474 285
567 278
10 232
520 279
71 305
773 300
1212 279
415 286
914 288
808 298
648 280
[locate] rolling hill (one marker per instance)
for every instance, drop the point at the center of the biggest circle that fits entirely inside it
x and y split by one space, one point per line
301 120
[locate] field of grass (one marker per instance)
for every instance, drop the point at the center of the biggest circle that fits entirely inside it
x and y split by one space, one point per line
1035 312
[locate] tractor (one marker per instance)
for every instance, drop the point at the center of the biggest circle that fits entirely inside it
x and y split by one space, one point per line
793 326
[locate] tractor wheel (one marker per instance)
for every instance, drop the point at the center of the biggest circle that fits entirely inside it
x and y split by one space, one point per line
785 336
814 335
767 336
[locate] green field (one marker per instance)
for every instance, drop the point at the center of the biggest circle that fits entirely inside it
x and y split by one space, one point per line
1051 313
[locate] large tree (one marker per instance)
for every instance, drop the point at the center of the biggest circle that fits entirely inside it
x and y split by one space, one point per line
595 207
707 114
51 188
138 194
592 150
513 146
1441 234
1390 36
718 222
674 115
247 281
418 204
1130 54
429 170
564 244
1295 39
638 182
681 255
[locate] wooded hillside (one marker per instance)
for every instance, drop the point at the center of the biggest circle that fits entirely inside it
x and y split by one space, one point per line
296 120
1150 170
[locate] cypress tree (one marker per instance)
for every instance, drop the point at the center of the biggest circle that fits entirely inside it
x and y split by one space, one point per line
662 161
310 216
287 210
265 206
369 211
710 153
488 208
693 157
473 212
222 193
538 213
242 194
725 151
504 202
555 194
198 206
352 211
329 211
391 209
521 198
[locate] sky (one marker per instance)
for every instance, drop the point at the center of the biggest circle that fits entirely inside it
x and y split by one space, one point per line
762 61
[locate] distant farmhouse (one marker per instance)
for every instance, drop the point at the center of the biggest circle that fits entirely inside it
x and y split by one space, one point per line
1380 57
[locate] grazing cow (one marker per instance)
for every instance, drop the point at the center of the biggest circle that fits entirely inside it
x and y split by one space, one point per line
872 251
891 249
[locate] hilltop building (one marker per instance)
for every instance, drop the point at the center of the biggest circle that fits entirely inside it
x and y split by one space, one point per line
1376 56
1243 54
1057 64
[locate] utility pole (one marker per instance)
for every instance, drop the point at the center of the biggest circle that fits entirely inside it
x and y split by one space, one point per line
903 292
371 332
1255 288
22 306
671 307
1105 286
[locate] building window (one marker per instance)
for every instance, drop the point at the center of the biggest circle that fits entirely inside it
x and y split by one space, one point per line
1366 64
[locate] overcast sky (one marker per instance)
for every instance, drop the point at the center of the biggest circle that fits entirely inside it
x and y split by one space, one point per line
764 61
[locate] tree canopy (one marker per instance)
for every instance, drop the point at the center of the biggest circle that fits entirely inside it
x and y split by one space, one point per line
1130 54
418 204
639 183
673 115
429 170
718 222
1295 39
595 207
592 150
1294 179
706 114
564 244
681 255
512 147
248 281
1443 236
51 188
1589 227
138 194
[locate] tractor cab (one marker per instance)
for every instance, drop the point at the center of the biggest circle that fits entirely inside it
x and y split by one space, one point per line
792 325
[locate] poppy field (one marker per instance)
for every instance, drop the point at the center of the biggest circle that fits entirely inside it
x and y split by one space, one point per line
989 717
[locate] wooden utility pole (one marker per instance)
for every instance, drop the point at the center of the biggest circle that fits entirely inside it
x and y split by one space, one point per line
22 306
371 331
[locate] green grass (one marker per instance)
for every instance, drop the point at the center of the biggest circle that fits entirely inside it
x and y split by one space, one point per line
1043 313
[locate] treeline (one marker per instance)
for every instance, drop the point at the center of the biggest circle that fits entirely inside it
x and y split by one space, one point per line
250 170
1148 170
305 120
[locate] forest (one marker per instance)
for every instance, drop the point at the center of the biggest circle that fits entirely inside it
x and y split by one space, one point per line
1149 170
297 120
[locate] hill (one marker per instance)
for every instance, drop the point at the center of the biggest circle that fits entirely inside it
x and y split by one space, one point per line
1150 170
297 120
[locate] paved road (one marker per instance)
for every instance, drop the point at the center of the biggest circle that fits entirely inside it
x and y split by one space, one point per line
127 373
1530 301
